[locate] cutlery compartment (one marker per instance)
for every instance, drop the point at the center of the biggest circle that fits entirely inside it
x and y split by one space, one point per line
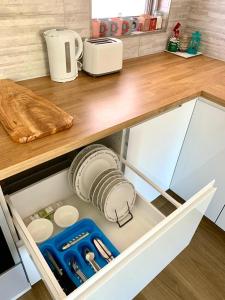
76 251
98 259
87 271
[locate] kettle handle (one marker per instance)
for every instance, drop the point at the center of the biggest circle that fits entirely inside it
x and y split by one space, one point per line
80 45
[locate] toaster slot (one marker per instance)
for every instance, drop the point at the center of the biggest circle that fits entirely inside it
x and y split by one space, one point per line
102 41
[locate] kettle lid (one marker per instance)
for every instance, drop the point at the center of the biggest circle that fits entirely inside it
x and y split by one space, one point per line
60 32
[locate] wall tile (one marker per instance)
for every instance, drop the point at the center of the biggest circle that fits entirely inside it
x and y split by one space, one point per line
208 16
22 23
34 7
78 22
77 6
152 43
78 16
23 51
131 47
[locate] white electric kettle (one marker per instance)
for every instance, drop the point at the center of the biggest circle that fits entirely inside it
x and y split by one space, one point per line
64 49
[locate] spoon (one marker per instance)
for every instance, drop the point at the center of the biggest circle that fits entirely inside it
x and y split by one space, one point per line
90 257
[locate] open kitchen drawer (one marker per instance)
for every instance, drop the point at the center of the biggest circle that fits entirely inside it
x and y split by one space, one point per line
148 243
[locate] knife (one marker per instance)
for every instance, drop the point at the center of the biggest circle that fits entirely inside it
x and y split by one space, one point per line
66 283
74 241
103 250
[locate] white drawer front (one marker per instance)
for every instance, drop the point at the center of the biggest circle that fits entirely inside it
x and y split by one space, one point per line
153 254
13 283
32 273
148 244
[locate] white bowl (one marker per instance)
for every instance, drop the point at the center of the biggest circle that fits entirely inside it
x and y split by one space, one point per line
66 215
40 229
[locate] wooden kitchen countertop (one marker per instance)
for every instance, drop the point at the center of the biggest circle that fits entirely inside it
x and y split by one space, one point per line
102 106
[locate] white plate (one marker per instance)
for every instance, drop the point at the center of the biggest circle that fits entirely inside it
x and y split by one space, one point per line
77 159
90 152
99 186
102 178
112 179
118 197
81 161
40 229
66 216
90 168
96 181
107 188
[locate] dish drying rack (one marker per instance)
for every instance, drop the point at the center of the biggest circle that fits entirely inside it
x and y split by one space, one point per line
123 164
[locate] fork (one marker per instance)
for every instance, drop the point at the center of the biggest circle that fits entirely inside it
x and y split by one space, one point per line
77 270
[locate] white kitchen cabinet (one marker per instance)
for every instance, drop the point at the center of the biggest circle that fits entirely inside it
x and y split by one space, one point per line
203 156
13 279
13 283
221 219
154 147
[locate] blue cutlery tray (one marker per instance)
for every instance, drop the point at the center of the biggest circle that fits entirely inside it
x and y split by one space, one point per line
54 246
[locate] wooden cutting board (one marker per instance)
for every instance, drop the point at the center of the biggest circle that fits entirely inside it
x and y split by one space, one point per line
27 116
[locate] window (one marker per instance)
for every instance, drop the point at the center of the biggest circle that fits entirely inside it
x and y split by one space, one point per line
125 17
117 8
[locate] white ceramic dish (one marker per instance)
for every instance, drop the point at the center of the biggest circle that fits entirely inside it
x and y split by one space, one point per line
66 216
107 188
105 185
96 163
96 190
118 198
81 161
77 159
96 181
101 182
40 229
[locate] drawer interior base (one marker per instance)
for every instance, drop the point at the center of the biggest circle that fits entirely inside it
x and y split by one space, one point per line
41 194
